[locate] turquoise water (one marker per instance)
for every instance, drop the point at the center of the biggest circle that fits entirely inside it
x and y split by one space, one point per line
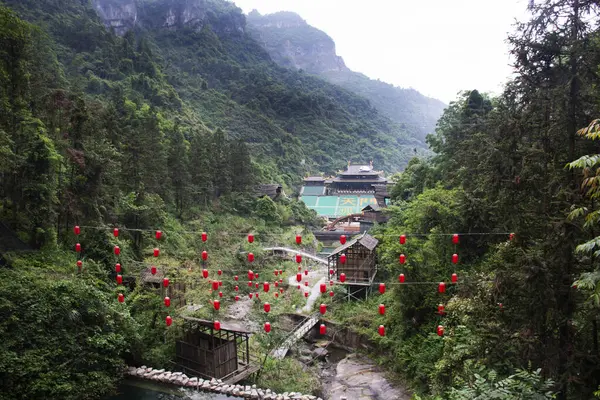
132 389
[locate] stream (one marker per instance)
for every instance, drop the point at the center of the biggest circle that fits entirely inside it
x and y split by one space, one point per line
135 389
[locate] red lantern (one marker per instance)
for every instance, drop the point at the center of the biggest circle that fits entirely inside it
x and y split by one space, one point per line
158 235
280 272
322 308
330 283
323 287
217 325
220 294
342 277
250 294
121 298
76 229
440 330
331 272
236 278
205 273
331 294
217 304
299 268
117 267
116 232
276 294
298 258
455 238
343 239
169 320
281 280
250 275
256 275
236 288
167 301
306 272
267 307
267 327
382 288
166 282
249 283
281 290
250 257
78 247
402 239
117 250
153 270
442 287
306 283
381 330
454 278
80 264
381 309
276 272
322 329
305 294
257 285
219 272
204 236
266 286
298 239
215 285
204 255
237 298
299 277
299 287
119 279
401 278
454 258
441 309
501 306
276 283
256 294
156 252
402 258
343 259
250 238
511 236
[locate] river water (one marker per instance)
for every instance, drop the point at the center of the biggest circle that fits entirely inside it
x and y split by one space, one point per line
134 389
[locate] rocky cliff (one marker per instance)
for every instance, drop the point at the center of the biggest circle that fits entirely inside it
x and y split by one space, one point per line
123 15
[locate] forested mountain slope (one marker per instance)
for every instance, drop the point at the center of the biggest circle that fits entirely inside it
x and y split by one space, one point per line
293 43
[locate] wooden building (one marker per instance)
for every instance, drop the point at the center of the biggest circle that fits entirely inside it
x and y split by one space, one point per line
209 353
360 267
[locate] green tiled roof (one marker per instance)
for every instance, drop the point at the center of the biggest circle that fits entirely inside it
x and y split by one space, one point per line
338 206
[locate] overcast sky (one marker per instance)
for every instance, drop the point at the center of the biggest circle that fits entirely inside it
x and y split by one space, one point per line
438 47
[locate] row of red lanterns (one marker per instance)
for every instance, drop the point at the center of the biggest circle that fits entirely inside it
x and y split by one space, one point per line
157 234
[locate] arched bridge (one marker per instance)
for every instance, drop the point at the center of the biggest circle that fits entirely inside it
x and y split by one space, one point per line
293 251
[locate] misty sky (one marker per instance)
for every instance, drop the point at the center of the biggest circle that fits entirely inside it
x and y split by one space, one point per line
438 47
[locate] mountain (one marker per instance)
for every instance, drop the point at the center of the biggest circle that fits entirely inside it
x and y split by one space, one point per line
293 43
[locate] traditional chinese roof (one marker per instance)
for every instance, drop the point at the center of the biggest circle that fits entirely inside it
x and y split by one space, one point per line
314 179
365 240
372 207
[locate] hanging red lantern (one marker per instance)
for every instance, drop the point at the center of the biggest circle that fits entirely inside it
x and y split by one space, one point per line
276 294
511 236
153 270
323 287
256 275
217 305
401 278
402 239
281 290
280 272
205 273
117 250
217 326
257 285
298 239
455 238
454 258
116 232
382 288
166 282
158 235
442 287
298 258
501 306
76 229
306 283
305 294
402 258
441 309
266 286
299 277
204 255
117 267
237 298
250 275
381 309
342 259
306 272
276 283
323 309
169 320
156 252
119 279
250 294
236 278
204 236
220 283
167 301
331 271
267 327
78 247
267 307
250 238
299 268
276 272
215 285
440 330
250 257
281 280
236 288
343 239
121 298
80 264
299 287
322 329
381 330
219 272
454 278
330 283
342 277
331 294
249 283
256 294
220 294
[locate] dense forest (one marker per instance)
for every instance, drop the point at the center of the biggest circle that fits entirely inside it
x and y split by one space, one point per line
173 129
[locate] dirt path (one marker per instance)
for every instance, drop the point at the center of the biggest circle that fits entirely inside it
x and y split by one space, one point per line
241 311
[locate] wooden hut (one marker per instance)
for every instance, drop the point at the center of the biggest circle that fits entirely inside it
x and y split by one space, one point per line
360 266
209 353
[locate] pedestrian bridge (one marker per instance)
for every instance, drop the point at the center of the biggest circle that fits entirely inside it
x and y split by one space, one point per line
293 251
